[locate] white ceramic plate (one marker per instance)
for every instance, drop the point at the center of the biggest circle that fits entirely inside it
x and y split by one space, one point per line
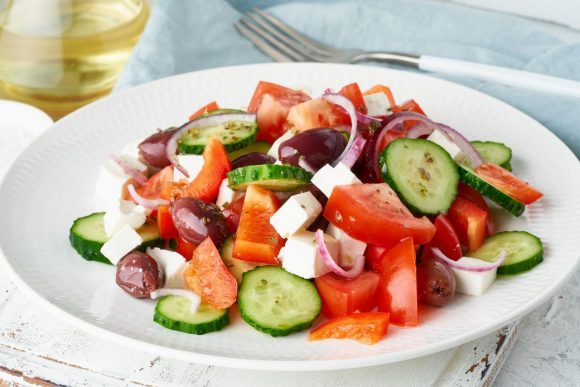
52 183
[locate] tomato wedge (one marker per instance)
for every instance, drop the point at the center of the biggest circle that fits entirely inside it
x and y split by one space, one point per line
387 91
271 103
341 296
374 255
206 275
469 221
445 239
366 328
165 224
397 292
316 113
508 183
206 185
204 109
411 106
374 214
152 188
256 239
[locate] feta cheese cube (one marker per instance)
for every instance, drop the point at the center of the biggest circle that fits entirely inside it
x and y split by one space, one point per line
109 185
173 264
226 194
377 104
130 154
122 213
298 212
328 177
440 139
471 282
349 247
273 151
192 164
124 240
300 255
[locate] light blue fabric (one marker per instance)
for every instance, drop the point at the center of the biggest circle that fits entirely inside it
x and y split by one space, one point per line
186 35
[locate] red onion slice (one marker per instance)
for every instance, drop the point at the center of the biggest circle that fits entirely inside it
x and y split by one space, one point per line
191 296
354 152
129 170
345 103
480 268
361 117
468 150
201 122
151 204
419 130
357 267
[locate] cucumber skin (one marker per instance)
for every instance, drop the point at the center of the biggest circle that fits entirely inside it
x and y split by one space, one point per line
274 332
91 250
510 204
197 149
240 178
182 326
258 146
525 265
391 182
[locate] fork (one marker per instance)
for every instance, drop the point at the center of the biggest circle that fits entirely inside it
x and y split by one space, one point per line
285 44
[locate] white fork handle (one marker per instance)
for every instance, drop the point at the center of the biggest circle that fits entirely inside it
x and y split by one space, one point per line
505 76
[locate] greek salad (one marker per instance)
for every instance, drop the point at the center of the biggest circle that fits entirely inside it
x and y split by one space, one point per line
348 205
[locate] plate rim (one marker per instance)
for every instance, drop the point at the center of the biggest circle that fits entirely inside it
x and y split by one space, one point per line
277 365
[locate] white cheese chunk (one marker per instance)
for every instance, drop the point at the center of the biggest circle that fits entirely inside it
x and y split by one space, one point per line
300 255
328 177
349 247
173 264
130 154
273 151
123 213
471 282
298 212
377 104
109 185
192 164
440 139
226 194
124 240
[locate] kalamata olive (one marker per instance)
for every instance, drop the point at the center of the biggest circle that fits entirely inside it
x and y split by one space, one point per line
253 158
152 149
435 283
138 274
315 146
195 220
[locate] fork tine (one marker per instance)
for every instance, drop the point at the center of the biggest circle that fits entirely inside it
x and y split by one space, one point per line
314 45
272 41
262 44
305 50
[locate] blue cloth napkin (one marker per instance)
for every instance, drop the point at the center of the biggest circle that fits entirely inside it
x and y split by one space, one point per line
186 35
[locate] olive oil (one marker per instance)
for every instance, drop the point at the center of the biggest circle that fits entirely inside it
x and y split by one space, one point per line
62 54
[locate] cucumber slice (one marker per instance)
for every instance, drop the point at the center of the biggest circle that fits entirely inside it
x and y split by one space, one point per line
234 134
494 152
524 251
276 302
422 173
258 146
470 178
270 176
174 312
87 236
236 266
